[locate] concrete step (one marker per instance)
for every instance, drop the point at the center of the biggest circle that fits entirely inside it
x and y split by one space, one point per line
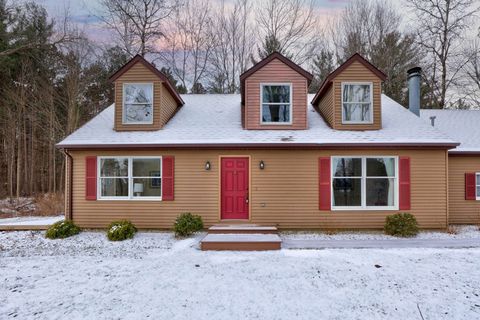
241 228
241 242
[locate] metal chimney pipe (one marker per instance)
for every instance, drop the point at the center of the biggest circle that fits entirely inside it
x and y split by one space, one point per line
414 79
432 120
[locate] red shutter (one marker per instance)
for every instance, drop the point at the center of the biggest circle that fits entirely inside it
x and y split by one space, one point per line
91 178
470 186
168 168
324 184
404 182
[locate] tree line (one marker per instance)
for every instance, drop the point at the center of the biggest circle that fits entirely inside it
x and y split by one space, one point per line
53 78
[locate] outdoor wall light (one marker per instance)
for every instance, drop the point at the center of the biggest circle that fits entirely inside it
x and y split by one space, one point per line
208 166
262 165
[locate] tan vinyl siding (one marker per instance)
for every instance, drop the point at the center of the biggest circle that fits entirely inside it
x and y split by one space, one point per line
325 107
276 72
168 106
138 73
285 193
357 72
462 211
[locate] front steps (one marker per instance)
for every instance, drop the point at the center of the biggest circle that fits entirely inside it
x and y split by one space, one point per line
241 238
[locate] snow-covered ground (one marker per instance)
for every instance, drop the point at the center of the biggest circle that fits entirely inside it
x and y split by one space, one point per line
31 221
155 276
462 232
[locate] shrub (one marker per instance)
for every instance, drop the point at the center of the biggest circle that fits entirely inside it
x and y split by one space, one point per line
401 225
121 230
62 229
187 223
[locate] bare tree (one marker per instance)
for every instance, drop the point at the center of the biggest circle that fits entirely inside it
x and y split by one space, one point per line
372 28
138 24
470 84
189 43
441 27
233 41
291 23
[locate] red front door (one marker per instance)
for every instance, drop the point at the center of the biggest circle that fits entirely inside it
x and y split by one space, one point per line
234 184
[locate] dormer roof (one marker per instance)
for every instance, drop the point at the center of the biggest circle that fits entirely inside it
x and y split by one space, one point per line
328 80
264 62
139 59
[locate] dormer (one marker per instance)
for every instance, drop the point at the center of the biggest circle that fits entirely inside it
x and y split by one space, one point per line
350 97
274 94
144 98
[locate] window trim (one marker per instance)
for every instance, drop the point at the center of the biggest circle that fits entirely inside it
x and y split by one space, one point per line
131 196
123 103
477 185
263 84
363 178
343 84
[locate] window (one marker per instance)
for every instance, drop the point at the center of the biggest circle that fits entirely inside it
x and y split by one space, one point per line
357 103
130 178
276 104
364 183
138 103
478 185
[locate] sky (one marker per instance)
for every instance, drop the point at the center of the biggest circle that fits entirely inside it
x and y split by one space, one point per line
84 13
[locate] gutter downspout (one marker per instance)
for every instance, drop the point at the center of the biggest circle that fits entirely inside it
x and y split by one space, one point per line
70 185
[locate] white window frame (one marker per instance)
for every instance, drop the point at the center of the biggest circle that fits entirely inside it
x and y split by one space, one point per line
477 184
363 206
124 121
130 178
371 103
289 84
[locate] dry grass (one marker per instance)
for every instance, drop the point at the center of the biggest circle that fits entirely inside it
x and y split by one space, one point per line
331 232
49 204
453 229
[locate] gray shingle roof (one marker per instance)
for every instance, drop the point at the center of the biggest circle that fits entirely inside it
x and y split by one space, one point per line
460 125
215 120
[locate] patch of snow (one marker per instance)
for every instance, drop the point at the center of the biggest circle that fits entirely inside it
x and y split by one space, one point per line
461 125
463 232
31 221
199 122
155 276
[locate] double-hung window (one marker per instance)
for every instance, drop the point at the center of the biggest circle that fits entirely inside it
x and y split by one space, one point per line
369 183
137 103
478 185
357 106
129 178
276 107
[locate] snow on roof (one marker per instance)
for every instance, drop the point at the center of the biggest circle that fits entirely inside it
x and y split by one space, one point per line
214 119
460 125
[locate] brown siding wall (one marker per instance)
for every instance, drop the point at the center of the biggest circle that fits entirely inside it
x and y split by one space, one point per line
168 106
276 72
285 193
357 72
325 106
462 211
138 74
68 167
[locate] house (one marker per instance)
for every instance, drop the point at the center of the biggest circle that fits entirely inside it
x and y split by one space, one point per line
463 161
346 157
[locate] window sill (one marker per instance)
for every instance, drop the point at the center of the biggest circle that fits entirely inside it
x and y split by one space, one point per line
357 122
129 199
365 208
276 123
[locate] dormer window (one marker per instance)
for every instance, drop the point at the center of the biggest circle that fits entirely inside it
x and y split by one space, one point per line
276 105
357 103
138 103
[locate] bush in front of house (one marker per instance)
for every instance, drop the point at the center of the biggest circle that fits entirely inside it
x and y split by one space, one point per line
401 225
186 224
121 230
62 229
